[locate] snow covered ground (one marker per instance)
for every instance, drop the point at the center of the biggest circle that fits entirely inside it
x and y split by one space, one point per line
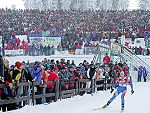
77 58
136 103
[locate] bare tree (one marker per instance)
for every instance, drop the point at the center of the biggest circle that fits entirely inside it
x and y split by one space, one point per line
144 4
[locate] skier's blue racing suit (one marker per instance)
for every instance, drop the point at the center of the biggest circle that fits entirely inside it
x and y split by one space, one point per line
121 85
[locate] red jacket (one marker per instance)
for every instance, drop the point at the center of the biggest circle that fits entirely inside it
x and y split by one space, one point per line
21 47
140 49
52 76
8 47
18 41
106 59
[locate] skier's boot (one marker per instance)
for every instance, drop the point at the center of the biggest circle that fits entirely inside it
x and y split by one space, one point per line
105 106
122 109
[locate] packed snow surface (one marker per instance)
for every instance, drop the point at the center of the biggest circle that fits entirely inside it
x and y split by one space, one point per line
136 103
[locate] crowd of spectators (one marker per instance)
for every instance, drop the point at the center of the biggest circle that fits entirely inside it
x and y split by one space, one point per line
62 71
138 50
75 26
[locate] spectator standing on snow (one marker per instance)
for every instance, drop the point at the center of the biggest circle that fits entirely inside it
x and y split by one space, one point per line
106 59
139 73
140 49
144 73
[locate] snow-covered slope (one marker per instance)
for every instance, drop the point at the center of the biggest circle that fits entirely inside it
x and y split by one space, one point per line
136 103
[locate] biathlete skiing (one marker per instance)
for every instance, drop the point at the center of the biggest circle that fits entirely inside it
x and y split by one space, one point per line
121 87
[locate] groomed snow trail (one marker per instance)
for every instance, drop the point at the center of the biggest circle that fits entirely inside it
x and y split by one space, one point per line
136 103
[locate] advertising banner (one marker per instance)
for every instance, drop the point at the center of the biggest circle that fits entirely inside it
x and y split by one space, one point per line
52 41
14 52
115 48
37 40
79 51
22 37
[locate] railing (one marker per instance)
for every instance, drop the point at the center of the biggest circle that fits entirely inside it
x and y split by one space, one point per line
79 86
134 59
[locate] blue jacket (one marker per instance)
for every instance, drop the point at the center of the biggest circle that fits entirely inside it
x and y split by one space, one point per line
140 71
36 74
144 72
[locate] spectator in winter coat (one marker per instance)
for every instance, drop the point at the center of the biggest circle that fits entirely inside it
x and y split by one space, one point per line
144 73
39 76
73 64
18 41
68 63
139 74
50 87
64 76
147 51
16 78
74 78
136 50
5 93
140 49
26 76
82 69
36 73
91 74
106 59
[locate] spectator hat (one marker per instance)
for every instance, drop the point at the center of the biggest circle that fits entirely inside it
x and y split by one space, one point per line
18 64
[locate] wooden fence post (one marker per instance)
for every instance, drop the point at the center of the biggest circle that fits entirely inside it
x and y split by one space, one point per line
93 84
56 90
60 90
33 94
77 87
105 83
79 83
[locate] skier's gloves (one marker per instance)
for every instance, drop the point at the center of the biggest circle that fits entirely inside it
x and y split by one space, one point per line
132 91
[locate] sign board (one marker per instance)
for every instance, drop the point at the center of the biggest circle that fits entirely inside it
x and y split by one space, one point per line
115 48
79 52
37 40
22 37
14 52
52 41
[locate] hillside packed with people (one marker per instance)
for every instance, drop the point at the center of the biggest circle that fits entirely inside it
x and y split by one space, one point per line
74 26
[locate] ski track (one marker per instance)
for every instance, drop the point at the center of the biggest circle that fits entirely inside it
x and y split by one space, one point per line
136 103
